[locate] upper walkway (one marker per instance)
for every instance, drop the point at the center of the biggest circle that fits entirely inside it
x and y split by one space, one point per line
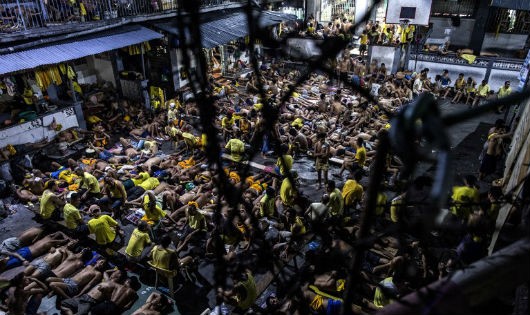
32 19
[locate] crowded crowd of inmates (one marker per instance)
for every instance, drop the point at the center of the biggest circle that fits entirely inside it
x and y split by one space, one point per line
150 169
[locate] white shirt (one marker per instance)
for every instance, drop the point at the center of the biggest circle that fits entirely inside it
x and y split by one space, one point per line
418 85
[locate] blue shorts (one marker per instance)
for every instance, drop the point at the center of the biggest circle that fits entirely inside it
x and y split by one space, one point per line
15 262
333 307
105 155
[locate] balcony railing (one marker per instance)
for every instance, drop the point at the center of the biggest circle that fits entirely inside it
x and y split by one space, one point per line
23 15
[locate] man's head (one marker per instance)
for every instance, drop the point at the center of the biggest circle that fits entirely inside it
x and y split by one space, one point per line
470 180
165 241
359 141
507 83
75 199
100 264
79 171
133 283
192 209
51 185
460 75
325 198
484 82
143 226
270 192
118 276
94 211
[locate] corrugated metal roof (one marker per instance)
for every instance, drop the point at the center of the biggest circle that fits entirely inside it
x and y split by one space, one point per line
229 27
75 49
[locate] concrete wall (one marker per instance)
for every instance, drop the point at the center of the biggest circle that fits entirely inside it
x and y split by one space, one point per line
102 68
504 41
37 130
388 55
459 36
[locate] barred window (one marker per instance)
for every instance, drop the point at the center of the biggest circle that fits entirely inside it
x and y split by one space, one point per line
502 20
462 8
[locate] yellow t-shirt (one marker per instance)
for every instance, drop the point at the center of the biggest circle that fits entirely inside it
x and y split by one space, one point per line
483 90
395 206
266 206
288 159
503 92
137 243
336 203
364 39
103 229
237 148
91 183
380 299
161 257
227 123
68 176
360 156
462 197
298 224
197 221
459 84
351 192
150 183
143 177
46 205
287 192
154 214
381 203
71 216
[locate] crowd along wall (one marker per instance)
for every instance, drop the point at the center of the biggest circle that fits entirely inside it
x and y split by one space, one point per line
516 169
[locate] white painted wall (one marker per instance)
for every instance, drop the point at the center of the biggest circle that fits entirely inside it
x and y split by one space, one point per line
459 36
386 55
504 41
37 130
423 11
102 68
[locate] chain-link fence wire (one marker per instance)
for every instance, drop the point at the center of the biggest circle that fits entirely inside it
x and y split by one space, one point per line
403 134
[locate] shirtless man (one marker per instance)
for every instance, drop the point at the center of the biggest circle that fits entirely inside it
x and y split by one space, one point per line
78 284
35 182
69 265
21 301
82 304
322 157
155 305
122 298
42 267
37 249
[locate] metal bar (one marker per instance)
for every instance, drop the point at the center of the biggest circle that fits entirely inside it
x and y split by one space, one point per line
21 16
487 278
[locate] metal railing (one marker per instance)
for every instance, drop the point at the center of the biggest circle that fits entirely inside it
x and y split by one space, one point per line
22 15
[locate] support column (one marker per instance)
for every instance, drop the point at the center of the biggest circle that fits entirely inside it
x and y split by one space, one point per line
479 29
